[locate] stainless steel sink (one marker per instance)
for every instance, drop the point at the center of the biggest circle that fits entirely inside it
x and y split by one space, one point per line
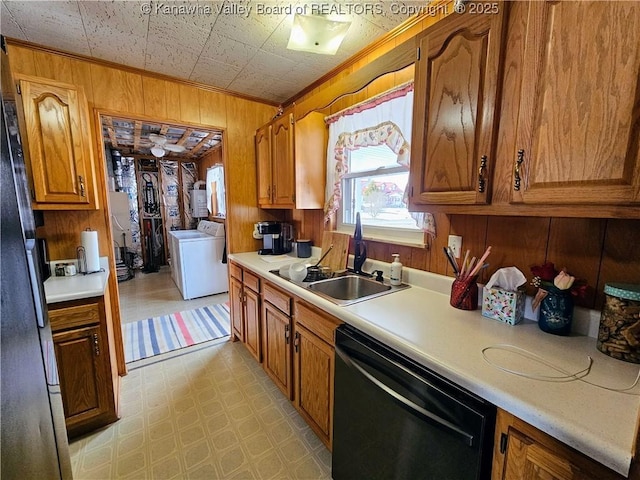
351 289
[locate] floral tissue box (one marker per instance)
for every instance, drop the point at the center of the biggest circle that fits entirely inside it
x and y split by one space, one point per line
503 305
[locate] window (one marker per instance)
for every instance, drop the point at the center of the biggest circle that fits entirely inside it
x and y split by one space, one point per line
375 187
215 191
368 169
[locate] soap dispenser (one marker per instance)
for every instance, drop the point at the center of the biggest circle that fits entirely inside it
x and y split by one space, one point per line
395 276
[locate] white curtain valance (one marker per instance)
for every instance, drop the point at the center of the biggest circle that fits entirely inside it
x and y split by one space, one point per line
382 120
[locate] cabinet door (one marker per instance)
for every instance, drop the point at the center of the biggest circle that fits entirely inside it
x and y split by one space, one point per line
528 460
82 355
522 452
252 322
310 139
58 145
237 307
276 352
314 365
282 162
263 158
454 120
578 124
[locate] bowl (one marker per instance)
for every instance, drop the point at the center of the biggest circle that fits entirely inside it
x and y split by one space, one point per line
284 271
298 272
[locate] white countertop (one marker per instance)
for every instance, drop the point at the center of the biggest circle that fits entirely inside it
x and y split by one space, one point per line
62 289
420 323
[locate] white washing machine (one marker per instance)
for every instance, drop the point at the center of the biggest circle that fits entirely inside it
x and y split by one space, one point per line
196 260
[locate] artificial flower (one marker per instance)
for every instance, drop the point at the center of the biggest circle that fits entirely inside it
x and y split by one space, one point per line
563 280
546 276
545 272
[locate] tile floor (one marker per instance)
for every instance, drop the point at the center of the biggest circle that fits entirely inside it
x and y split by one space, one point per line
207 412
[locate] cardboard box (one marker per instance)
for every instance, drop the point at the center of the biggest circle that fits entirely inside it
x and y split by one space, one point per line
503 305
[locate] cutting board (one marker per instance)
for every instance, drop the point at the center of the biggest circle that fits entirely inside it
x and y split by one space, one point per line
337 258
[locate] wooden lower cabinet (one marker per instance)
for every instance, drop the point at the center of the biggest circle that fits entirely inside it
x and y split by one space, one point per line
86 367
236 303
276 341
313 366
252 323
244 298
522 452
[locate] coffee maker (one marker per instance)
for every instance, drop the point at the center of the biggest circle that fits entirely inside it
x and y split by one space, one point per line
277 238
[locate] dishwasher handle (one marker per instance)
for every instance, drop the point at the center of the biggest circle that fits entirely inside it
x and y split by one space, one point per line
467 437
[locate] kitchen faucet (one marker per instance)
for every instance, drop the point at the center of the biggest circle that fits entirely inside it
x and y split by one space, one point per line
360 249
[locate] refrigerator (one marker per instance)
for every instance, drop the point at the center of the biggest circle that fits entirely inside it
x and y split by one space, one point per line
33 434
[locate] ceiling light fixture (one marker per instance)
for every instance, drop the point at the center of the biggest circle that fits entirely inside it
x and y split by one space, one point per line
317 34
161 147
157 151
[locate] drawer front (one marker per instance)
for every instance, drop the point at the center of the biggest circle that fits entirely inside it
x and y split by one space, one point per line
251 281
277 298
73 317
235 271
318 322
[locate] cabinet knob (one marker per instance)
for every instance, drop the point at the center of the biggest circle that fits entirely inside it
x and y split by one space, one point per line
516 171
81 182
482 171
96 344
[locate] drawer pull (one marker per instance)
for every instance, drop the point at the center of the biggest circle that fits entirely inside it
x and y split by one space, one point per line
286 334
296 341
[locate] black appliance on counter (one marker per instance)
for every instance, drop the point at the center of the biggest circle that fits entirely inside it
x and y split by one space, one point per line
395 419
277 238
34 435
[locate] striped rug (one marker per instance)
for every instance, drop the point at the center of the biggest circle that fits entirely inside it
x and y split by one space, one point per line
153 336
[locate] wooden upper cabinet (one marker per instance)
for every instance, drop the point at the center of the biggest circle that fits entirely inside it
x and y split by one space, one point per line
263 158
454 116
579 104
57 145
291 161
282 162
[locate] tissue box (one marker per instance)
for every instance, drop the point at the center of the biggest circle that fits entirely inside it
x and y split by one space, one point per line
503 305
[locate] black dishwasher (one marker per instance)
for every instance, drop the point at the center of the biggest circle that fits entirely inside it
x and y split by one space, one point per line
395 419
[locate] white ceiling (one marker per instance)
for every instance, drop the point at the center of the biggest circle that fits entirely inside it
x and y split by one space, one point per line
218 45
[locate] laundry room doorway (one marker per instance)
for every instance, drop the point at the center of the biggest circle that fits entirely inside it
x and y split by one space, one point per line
157 174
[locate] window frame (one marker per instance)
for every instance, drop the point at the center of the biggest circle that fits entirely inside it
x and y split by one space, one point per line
393 235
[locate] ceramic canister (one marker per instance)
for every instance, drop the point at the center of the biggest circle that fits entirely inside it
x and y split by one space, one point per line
304 248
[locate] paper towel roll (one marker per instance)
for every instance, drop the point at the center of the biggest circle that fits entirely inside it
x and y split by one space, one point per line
89 241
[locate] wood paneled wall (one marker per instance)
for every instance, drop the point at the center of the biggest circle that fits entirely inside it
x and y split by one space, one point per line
139 94
127 92
596 250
